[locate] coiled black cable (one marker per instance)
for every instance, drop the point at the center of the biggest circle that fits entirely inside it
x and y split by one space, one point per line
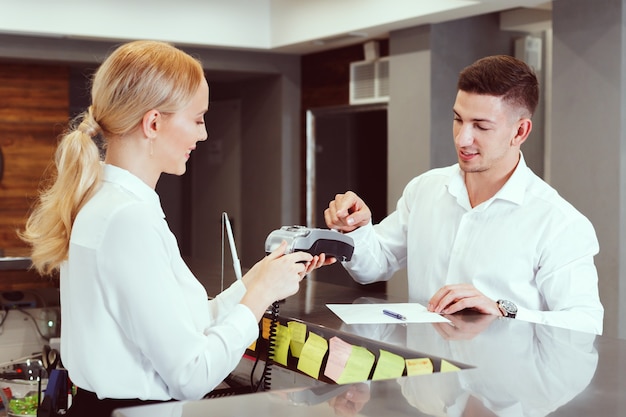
266 376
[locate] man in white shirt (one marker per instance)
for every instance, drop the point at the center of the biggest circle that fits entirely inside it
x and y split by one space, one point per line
485 234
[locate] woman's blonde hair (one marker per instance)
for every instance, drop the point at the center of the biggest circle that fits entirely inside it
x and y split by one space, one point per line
137 77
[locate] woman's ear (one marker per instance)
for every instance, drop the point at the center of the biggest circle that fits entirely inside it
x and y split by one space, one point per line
150 123
524 127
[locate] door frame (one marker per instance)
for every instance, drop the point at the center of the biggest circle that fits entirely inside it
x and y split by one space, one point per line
311 115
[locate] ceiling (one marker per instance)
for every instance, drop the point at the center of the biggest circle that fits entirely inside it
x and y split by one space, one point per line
281 26
411 14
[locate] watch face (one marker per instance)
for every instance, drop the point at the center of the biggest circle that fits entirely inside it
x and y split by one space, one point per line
508 306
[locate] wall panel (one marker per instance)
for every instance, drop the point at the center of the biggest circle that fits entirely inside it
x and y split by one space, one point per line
34 108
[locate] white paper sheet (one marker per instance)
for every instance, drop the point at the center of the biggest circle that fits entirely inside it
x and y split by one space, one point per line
373 313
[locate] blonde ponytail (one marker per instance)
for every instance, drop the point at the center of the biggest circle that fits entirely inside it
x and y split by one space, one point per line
76 176
136 77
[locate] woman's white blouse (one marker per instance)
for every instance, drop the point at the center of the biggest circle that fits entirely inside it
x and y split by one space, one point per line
136 323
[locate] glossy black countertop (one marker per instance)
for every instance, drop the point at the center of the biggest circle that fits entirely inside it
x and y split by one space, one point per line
14 259
515 368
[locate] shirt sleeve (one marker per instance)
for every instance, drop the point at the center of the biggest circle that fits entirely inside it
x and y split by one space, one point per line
192 348
380 250
568 280
221 304
368 263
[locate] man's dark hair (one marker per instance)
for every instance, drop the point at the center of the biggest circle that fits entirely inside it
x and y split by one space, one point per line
502 76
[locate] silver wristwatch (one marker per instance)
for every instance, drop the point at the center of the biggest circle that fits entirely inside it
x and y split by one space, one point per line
507 308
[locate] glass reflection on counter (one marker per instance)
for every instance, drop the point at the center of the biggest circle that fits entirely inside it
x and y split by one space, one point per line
521 368
517 369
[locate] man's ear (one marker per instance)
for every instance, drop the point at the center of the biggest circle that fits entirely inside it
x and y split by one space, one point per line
524 126
150 123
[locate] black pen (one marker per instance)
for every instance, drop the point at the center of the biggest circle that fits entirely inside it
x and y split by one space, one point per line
394 315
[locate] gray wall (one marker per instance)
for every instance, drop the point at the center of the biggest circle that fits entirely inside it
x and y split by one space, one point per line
588 143
455 45
409 119
270 143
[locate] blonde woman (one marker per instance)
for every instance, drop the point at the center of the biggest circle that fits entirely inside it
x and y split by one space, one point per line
136 324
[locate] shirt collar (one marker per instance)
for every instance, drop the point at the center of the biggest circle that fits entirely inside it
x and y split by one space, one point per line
134 185
513 190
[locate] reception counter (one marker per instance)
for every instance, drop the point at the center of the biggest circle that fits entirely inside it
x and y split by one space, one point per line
506 367
16 273
14 260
